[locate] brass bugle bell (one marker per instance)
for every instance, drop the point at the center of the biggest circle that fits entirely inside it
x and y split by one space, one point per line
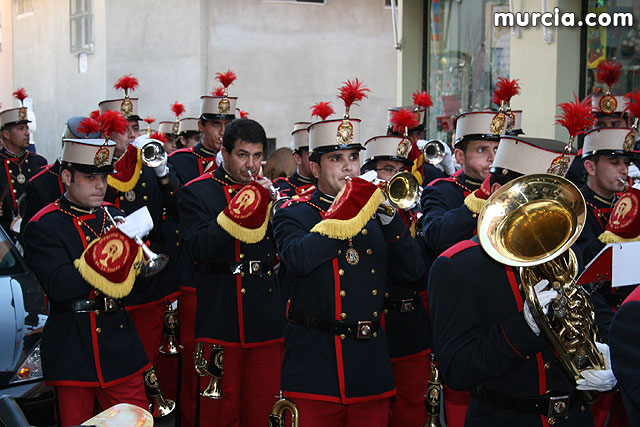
277 198
172 347
277 415
402 190
152 153
215 369
159 406
434 151
433 397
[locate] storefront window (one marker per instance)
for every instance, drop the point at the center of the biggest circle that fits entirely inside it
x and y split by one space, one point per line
466 55
617 43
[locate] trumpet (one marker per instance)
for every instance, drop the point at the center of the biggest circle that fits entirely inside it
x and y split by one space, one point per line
277 415
153 263
434 391
152 153
434 151
624 182
159 406
276 197
172 346
213 368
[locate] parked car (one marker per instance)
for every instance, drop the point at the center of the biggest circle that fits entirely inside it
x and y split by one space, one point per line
23 314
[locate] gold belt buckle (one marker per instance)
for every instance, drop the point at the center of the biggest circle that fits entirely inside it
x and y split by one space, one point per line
365 329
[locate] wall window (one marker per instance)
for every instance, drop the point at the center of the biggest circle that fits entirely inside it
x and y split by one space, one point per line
466 55
81 26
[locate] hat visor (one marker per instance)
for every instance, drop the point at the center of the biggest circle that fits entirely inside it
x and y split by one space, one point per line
209 116
612 153
402 160
478 136
330 148
93 170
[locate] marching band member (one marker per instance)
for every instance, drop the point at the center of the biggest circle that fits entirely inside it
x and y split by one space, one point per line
19 163
90 347
340 255
224 221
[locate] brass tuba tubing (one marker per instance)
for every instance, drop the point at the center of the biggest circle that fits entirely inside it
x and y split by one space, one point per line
277 415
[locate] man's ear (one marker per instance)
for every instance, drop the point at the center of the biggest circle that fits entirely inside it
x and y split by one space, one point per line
590 167
315 169
66 176
459 155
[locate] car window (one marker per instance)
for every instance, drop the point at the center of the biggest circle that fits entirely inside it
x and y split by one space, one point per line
9 263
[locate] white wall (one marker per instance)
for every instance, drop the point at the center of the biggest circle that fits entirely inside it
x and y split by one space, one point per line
6 54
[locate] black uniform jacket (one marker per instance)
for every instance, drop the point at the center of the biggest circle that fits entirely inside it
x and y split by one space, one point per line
293 185
319 364
155 196
446 219
190 163
95 349
482 340
233 309
624 341
16 168
45 187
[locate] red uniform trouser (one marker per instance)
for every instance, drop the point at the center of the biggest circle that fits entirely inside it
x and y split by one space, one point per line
168 368
149 320
187 316
251 382
455 406
77 404
316 413
609 406
411 374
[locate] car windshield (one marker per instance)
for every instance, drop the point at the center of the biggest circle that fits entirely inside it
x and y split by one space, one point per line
9 262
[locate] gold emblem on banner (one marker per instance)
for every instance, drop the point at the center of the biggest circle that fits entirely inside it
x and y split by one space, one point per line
608 104
345 133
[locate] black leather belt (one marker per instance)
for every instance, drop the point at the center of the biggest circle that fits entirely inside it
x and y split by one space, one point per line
362 329
552 404
105 305
406 305
250 267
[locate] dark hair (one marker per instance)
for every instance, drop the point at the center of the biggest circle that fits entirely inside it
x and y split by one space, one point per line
247 130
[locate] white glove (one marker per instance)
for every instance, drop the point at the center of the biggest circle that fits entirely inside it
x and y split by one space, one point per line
219 158
140 141
162 169
139 223
598 379
544 298
370 176
447 162
384 218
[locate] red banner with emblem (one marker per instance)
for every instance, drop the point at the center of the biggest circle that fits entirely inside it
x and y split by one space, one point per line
247 216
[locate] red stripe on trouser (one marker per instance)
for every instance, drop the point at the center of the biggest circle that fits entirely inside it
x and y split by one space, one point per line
148 321
317 413
77 404
455 406
411 376
251 380
187 316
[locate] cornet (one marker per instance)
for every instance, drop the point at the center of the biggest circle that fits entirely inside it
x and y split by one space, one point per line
213 368
172 346
276 197
434 151
152 153
159 406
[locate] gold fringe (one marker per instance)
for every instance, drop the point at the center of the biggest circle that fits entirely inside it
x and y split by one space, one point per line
245 235
474 203
109 288
123 186
610 237
346 229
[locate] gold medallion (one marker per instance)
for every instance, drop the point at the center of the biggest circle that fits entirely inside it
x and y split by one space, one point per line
630 140
497 124
352 256
345 133
21 178
22 113
608 104
126 108
403 148
130 195
224 106
101 159
175 128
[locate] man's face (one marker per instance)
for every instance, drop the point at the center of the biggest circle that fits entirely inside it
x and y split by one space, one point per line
333 169
83 189
133 129
477 158
123 140
388 168
16 137
610 121
302 162
605 175
212 133
245 156
170 145
190 141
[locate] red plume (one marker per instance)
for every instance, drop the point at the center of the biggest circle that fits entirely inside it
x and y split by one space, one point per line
609 72
243 114
633 103
112 122
88 126
159 136
322 110
505 90
422 99
403 120
127 83
95 114
226 78
576 116
20 94
178 109
219 91
352 92
149 120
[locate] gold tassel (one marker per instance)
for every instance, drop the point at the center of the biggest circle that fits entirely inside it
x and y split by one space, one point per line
346 229
109 288
610 237
245 235
474 203
123 186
